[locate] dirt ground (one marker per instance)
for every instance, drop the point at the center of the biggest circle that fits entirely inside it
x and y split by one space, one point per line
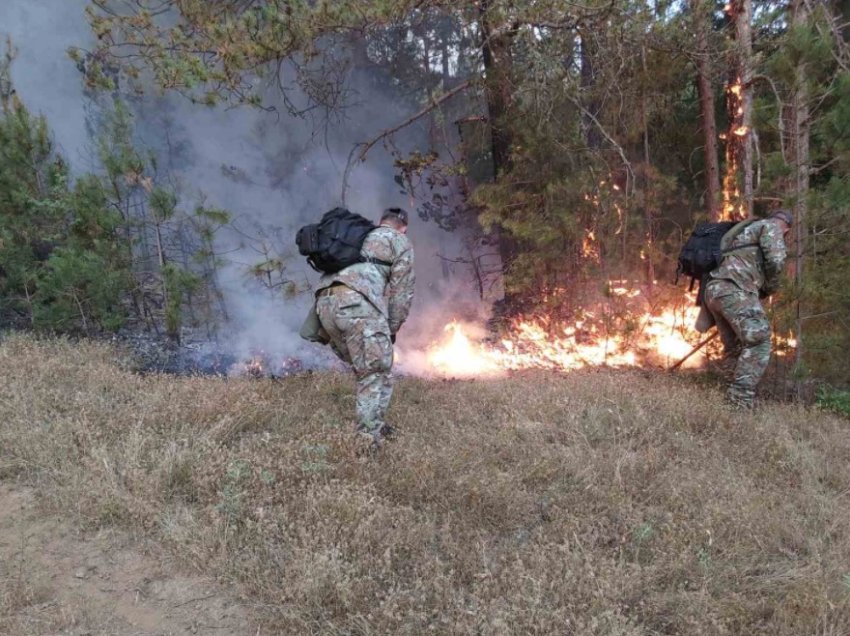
55 580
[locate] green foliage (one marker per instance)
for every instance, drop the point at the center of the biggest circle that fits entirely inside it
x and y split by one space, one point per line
835 400
589 114
117 152
256 38
214 216
178 283
831 132
71 254
163 204
58 246
33 198
824 290
79 289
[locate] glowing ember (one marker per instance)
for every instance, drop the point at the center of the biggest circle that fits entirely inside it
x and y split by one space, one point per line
290 366
262 365
589 248
784 345
255 367
662 337
741 131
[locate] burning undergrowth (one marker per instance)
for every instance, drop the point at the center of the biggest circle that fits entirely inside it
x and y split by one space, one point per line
262 364
213 357
625 325
618 324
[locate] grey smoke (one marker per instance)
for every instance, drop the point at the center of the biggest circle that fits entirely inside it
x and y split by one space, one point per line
271 170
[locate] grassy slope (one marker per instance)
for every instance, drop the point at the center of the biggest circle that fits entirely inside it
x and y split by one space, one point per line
600 502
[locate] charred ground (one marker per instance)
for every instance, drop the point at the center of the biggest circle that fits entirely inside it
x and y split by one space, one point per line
597 502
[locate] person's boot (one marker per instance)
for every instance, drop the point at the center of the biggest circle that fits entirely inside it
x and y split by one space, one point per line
740 401
724 367
372 440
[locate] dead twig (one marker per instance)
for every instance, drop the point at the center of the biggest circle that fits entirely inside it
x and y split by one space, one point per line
365 147
193 600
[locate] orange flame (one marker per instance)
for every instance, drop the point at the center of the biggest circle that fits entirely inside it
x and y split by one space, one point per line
733 206
459 356
664 337
255 367
589 248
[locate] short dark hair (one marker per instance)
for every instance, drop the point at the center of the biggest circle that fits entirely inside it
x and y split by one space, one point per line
397 214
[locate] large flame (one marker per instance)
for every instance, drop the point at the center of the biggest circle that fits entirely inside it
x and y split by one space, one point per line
660 337
457 355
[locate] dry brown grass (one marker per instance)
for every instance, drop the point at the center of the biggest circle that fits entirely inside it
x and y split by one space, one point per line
602 502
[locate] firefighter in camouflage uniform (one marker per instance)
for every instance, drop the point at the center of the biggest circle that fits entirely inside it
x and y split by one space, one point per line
751 269
362 307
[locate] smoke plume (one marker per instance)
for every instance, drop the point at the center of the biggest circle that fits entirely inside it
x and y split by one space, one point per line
274 172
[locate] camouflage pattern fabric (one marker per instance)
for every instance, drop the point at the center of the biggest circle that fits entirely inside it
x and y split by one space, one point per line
360 335
389 289
361 317
751 269
743 328
757 258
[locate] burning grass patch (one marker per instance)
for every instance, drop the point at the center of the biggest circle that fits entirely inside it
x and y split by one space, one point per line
599 502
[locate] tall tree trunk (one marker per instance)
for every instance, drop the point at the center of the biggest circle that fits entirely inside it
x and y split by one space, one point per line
7 90
738 182
496 53
162 262
842 15
798 157
593 137
702 28
647 185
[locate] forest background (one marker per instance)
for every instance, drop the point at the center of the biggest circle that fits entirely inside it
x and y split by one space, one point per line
548 148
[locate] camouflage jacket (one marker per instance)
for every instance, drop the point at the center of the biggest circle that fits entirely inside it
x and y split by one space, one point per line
390 289
756 267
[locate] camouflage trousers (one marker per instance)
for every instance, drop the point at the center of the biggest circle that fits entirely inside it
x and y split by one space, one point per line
359 335
745 331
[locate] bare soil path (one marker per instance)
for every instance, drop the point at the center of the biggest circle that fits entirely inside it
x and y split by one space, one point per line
56 581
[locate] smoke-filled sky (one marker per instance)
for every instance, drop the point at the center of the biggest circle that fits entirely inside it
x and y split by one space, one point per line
269 169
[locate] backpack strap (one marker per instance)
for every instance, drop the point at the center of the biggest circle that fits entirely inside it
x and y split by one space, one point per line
738 247
733 233
375 261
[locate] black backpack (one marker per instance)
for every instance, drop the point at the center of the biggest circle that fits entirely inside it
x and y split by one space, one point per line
702 252
334 243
